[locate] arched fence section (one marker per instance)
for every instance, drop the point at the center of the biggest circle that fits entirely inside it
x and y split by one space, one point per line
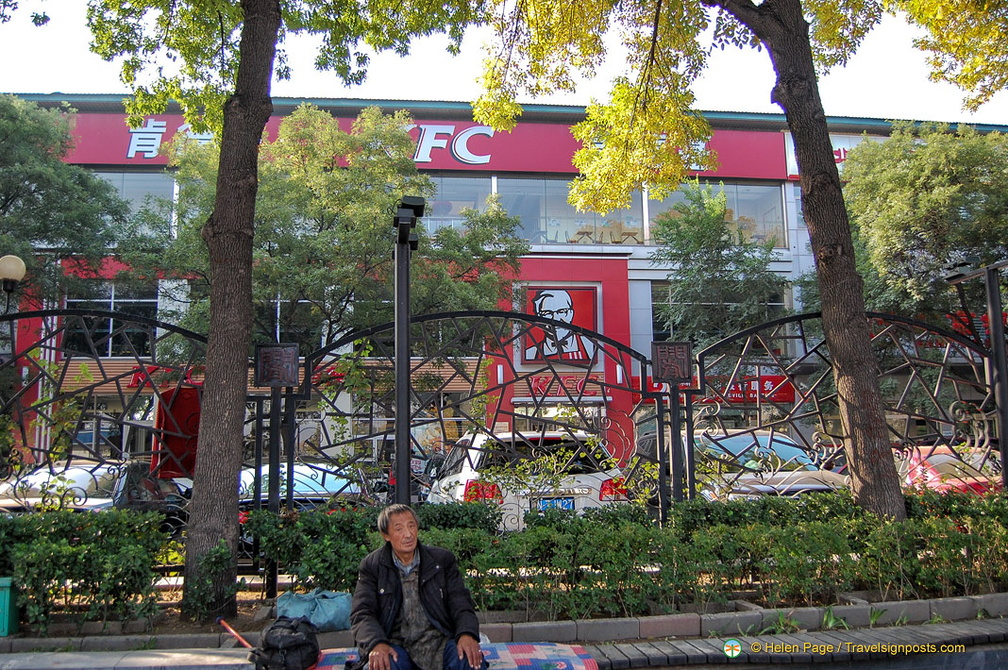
766 415
101 409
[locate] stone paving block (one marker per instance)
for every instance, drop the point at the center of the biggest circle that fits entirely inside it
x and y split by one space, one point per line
331 639
496 632
807 618
544 631
855 616
596 630
994 604
953 609
907 611
637 657
730 623
614 657
673 654
188 641
124 643
45 644
670 625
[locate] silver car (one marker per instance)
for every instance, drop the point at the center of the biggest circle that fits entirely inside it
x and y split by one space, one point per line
528 472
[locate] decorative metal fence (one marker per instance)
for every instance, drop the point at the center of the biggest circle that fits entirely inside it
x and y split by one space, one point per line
101 409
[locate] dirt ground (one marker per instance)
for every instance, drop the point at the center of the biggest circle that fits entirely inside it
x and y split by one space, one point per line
170 621
167 622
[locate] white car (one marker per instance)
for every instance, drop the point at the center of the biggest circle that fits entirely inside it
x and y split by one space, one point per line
528 472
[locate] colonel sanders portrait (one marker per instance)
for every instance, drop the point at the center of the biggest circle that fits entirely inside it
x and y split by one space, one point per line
558 342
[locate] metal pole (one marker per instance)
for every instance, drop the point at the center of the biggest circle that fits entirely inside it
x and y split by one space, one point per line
675 422
273 488
663 462
288 437
273 485
402 364
995 327
405 220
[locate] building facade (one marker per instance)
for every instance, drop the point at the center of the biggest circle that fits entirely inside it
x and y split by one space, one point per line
592 270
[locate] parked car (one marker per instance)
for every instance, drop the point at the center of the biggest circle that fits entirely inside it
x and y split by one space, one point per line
942 468
586 477
751 464
96 487
314 486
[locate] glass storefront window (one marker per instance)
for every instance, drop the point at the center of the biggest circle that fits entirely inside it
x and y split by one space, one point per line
547 217
137 187
757 210
129 300
453 195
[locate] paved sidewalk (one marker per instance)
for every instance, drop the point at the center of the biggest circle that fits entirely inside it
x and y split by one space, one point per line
977 644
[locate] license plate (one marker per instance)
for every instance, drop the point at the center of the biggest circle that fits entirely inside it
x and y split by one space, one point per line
556 503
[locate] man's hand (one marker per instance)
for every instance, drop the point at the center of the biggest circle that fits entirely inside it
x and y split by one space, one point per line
469 647
381 656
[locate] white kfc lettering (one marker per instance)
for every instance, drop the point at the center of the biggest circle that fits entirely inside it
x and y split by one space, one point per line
460 145
429 139
146 139
434 136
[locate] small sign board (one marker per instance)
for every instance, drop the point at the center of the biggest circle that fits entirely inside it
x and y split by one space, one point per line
671 362
276 365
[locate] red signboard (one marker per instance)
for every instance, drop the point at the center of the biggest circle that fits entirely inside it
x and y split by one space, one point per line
767 388
105 139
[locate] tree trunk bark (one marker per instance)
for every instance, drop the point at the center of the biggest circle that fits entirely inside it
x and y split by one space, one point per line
228 233
873 478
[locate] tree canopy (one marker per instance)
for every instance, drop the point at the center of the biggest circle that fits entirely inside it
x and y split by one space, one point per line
648 135
323 237
720 282
926 198
217 60
52 212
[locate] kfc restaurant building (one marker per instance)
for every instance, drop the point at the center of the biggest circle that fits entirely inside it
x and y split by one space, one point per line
586 268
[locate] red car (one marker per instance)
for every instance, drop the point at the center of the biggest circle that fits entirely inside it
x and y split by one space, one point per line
942 468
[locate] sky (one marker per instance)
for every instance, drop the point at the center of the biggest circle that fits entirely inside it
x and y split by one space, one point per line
886 79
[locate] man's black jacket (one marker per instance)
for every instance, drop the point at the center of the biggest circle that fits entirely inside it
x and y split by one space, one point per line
378 597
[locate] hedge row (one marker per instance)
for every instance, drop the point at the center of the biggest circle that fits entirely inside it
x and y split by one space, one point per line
99 566
614 562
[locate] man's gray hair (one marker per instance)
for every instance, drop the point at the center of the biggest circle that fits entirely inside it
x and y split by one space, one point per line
385 516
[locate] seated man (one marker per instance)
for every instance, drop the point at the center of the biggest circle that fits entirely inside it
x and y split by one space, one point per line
411 610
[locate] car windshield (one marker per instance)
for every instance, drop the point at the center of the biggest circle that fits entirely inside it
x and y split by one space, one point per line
309 482
755 452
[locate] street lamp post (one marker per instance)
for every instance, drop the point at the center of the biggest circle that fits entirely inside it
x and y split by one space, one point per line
12 271
409 210
997 372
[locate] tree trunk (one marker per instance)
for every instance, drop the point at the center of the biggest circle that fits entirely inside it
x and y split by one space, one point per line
873 478
213 510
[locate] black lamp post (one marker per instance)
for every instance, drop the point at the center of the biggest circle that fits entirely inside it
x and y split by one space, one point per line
997 372
409 210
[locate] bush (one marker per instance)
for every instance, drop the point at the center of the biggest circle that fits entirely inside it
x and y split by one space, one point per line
102 563
476 515
609 562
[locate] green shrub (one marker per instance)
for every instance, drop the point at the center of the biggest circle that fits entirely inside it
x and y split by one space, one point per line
321 549
476 515
804 564
99 564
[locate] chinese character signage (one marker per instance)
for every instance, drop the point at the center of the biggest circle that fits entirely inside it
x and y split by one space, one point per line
565 305
276 365
671 362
